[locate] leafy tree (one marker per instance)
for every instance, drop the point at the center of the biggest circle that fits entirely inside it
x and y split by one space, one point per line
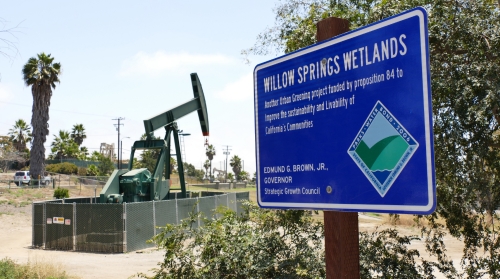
210 152
235 163
9 154
464 48
42 74
105 166
95 156
173 165
20 134
230 176
78 134
193 172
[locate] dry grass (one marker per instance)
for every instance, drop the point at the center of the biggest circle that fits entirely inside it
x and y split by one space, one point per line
34 268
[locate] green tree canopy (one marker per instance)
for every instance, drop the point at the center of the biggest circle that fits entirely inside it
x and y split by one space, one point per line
464 47
20 134
63 146
235 163
42 74
78 134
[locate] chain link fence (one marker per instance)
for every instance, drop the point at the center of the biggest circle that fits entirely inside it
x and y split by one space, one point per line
81 224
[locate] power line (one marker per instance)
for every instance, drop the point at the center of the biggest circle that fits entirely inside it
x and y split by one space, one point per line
53 109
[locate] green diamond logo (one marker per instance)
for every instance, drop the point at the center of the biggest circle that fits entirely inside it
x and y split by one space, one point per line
382 148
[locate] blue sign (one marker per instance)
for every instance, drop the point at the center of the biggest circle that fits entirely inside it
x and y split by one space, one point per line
346 124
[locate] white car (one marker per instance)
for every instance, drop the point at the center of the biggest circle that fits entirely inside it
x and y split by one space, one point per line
23 177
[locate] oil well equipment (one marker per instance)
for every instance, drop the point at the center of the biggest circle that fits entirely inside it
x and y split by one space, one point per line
139 185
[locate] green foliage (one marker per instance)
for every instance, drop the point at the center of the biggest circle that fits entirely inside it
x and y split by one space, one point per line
78 134
265 243
82 171
235 163
11 270
193 172
42 74
64 146
386 254
92 170
95 156
20 135
258 244
63 168
464 42
105 166
61 193
243 176
230 177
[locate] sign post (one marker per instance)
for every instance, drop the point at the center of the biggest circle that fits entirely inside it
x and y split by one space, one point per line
341 228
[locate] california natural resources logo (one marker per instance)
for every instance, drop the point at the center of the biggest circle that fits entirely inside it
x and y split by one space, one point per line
382 148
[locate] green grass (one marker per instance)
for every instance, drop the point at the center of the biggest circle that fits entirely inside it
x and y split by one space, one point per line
19 193
24 203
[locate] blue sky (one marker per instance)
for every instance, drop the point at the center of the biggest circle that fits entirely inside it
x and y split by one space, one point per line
132 59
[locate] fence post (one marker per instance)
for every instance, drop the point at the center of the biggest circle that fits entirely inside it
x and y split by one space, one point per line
44 224
74 226
198 208
124 227
154 218
176 212
32 225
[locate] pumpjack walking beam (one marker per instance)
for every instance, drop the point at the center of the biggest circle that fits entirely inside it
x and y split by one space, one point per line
167 120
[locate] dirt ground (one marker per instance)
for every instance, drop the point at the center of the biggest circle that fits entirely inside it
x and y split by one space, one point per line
16 235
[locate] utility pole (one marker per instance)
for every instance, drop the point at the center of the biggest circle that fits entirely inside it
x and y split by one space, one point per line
226 152
118 129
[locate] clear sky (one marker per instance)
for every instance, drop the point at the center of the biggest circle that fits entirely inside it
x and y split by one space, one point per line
132 59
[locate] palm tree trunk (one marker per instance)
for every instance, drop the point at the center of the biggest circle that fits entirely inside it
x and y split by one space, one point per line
39 122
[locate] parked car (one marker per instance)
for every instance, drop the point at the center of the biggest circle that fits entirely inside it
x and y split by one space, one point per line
23 177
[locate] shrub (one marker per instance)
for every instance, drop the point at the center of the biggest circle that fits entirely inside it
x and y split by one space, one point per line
258 244
285 244
63 168
92 171
82 171
61 193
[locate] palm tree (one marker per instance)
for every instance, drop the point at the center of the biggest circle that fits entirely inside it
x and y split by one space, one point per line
41 74
20 134
210 152
78 134
83 154
235 163
206 165
63 146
